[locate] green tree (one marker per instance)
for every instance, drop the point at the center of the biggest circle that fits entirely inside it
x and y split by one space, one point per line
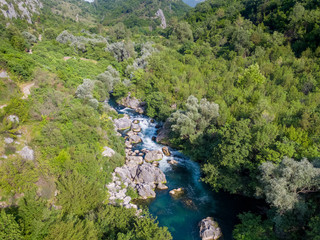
9 228
78 195
252 227
284 184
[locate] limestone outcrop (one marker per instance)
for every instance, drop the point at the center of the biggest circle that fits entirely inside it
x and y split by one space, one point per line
209 229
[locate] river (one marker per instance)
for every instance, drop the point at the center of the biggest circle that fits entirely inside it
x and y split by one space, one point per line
182 215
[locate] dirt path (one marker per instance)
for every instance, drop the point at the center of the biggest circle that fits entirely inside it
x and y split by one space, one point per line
25 88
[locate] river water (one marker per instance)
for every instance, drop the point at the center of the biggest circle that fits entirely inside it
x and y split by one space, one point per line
183 215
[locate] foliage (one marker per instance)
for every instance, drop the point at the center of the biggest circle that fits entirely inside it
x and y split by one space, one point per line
77 194
285 183
197 117
253 228
9 228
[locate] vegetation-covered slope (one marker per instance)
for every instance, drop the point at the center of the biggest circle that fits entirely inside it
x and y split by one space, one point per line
237 83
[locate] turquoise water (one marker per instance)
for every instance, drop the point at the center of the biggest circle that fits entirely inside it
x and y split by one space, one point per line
182 215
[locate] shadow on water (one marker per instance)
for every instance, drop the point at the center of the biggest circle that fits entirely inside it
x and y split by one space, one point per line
182 215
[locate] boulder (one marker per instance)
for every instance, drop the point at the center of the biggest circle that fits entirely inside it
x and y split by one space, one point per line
155 155
209 229
135 127
162 186
146 190
8 140
108 152
128 144
135 159
135 139
172 162
13 118
27 153
132 102
147 173
177 192
130 133
122 123
166 151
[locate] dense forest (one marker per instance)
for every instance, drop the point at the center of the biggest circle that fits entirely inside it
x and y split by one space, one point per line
235 83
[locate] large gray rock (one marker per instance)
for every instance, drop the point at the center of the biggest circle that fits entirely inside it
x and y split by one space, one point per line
147 173
26 153
146 190
108 152
135 159
122 123
209 229
135 139
135 127
155 155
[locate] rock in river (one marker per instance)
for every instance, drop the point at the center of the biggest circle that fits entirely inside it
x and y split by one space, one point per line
209 229
135 127
166 151
177 192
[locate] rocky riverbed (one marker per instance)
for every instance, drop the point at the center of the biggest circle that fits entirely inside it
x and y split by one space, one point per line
140 172
181 213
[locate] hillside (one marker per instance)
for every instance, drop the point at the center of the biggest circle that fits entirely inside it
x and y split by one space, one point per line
234 85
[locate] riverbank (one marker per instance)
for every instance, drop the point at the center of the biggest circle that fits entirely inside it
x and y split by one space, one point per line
182 215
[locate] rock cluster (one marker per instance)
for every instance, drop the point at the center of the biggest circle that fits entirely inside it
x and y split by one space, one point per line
139 172
209 229
132 102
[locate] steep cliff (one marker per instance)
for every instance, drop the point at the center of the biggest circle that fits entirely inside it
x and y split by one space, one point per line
23 9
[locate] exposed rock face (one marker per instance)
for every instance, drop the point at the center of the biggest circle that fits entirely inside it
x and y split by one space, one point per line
209 229
160 15
108 152
132 102
26 8
27 153
122 123
155 155
166 151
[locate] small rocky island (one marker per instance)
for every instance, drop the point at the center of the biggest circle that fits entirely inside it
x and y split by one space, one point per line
209 229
